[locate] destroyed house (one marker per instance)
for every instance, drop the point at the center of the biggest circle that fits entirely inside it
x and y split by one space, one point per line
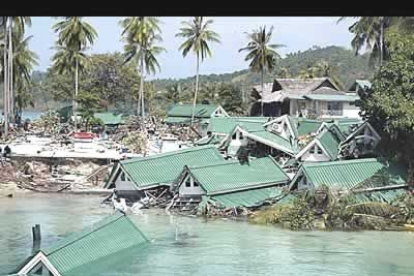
324 147
231 182
135 176
317 97
258 142
333 143
358 175
181 113
93 250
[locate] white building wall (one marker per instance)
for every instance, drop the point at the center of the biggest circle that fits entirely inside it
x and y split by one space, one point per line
351 111
314 157
193 190
235 144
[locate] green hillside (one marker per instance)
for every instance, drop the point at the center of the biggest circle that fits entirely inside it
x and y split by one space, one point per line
344 65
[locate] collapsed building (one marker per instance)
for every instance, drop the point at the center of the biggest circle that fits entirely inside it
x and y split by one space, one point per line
229 184
93 250
152 176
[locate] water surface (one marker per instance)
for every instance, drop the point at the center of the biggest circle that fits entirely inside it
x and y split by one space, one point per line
191 246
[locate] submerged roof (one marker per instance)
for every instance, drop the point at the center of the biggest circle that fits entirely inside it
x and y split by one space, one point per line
249 198
349 173
232 176
81 252
109 118
185 110
164 168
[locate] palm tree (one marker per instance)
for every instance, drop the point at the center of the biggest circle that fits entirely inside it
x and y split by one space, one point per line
197 35
74 35
10 26
370 31
23 61
262 54
141 35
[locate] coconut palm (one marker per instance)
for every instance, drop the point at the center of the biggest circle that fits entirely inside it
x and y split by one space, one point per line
74 35
10 25
140 36
370 32
197 35
262 54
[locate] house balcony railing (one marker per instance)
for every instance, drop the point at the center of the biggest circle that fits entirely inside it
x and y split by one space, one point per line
317 113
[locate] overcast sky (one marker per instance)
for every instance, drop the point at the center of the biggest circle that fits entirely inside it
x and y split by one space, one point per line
297 33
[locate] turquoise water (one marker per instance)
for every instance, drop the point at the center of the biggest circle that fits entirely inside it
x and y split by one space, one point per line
214 247
31 115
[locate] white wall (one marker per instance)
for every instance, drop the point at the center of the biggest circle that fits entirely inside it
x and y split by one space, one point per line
314 157
351 111
126 185
235 144
304 184
192 190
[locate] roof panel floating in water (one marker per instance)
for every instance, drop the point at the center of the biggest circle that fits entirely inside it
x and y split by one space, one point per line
88 251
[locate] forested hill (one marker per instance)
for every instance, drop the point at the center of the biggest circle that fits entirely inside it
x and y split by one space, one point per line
343 63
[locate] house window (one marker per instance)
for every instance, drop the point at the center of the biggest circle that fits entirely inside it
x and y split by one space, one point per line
319 150
188 183
312 150
241 136
335 108
122 176
195 184
234 136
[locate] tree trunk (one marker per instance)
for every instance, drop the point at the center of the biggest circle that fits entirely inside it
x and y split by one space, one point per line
380 46
141 90
74 102
6 89
261 79
11 92
195 92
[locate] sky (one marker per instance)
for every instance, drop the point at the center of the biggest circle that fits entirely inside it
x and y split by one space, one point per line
296 33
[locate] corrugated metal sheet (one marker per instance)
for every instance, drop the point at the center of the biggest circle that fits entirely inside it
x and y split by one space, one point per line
386 196
227 124
349 173
166 167
274 139
248 198
107 237
231 176
109 118
185 110
308 126
330 143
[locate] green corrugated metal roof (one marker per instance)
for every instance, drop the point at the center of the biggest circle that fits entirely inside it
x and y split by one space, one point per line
227 124
231 176
177 120
293 123
109 236
349 173
306 126
275 139
332 98
330 142
185 110
166 167
248 198
109 118
386 196
212 140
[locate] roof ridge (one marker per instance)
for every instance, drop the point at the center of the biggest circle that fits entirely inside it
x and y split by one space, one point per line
112 219
330 163
226 163
175 152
